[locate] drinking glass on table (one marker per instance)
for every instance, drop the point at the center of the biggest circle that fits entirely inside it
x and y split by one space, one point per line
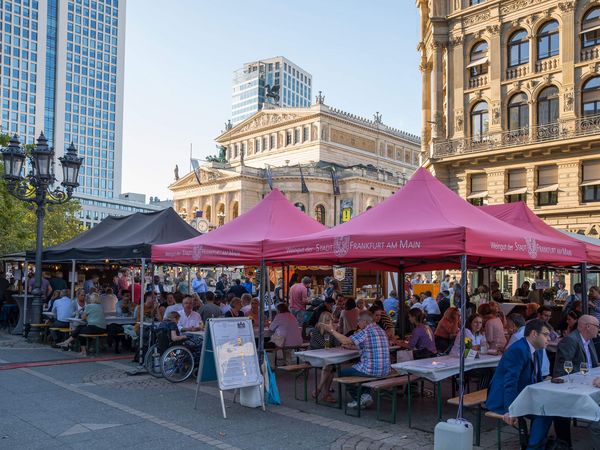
568 366
327 339
584 368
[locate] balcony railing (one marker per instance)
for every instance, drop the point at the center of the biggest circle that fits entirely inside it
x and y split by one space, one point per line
547 64
475 82
557 131
516 72
589 54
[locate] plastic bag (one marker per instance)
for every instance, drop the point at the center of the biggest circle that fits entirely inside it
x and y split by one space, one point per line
273 397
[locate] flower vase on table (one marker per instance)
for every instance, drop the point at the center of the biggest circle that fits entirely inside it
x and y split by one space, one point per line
468 347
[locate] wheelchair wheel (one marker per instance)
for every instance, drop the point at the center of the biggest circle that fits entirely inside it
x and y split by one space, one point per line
152 362
177 363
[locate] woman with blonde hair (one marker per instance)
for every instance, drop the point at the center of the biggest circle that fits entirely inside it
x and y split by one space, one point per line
96 323
320 338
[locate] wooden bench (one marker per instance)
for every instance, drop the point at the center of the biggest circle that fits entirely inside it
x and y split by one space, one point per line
499 418
358 382
388 387
298 370
473 400
96 338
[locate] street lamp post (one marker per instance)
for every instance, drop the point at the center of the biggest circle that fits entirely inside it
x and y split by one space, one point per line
37 187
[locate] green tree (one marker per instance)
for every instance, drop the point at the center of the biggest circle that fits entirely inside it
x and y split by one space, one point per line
18 220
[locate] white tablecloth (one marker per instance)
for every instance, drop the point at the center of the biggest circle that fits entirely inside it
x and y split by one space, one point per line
442 367
327 356
578 399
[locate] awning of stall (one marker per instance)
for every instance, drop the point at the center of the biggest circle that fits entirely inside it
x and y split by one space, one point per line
121 238
425 226
240 241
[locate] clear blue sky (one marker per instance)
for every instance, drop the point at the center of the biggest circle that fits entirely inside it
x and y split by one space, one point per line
180 55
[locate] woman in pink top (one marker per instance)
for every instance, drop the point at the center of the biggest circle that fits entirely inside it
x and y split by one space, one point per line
348 318
285 324
494 329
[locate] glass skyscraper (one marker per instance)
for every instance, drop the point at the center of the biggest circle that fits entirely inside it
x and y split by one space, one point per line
251 81
62 73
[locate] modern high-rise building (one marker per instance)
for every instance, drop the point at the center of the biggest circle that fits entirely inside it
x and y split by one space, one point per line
289 84
62 73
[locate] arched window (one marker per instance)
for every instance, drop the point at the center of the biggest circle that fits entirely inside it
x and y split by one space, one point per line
590 97
320 214
207 212
518 48
548 40
590 28
235 210
300 206
518 112
478 61
479 121
548 106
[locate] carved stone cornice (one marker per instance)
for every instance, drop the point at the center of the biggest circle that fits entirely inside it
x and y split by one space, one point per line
493 29
476 18
568 164
267 120
456 40
567 6
518 5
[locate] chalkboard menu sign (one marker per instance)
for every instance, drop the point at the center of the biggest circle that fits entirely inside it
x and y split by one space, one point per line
347 283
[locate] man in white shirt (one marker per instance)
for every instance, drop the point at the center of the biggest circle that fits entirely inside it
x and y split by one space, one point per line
177 306
63 308
445 284
430 306
189 320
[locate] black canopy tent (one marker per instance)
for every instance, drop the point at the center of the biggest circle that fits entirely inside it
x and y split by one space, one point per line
121 238
125 239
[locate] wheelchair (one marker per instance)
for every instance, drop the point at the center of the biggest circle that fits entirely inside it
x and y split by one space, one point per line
175 363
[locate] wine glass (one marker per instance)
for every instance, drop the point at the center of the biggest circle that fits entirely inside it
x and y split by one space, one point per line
568 366
584 368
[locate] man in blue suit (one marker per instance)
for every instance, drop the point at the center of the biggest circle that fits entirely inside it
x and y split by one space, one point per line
519 367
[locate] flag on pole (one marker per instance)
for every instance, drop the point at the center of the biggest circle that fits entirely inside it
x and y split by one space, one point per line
335 182
196 169
302 182
269 176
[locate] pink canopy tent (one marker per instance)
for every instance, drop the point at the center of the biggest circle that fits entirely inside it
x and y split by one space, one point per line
241 240
425 226
519 215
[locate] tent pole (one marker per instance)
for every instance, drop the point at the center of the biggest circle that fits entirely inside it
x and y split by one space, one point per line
25 296
270 299
261 310
584 288
189 279
400 319
141 309
461 353
73 268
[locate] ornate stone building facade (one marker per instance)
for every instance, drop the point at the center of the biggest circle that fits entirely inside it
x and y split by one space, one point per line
511 104
369 160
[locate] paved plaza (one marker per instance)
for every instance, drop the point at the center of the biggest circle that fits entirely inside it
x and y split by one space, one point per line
97 405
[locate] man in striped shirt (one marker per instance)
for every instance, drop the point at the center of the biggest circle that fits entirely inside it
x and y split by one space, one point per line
372 343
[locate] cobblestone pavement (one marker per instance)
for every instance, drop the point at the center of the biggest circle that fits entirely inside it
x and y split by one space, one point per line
97 405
